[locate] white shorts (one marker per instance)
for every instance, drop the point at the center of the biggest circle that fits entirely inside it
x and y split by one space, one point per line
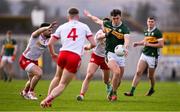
7 59
151 61
119 59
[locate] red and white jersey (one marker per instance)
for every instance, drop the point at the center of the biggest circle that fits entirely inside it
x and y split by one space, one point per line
35 47
73 35
100 45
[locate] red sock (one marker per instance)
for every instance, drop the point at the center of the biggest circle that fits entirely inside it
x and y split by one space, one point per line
82 94
49 98
31 90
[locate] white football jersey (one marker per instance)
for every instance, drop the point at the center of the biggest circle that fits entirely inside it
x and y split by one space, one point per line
73 35
35 47
100 45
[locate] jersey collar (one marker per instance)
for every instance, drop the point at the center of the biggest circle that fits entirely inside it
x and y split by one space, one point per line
117 25
151 29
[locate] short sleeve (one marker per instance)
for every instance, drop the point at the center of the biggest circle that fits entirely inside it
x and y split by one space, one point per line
57 33
88 32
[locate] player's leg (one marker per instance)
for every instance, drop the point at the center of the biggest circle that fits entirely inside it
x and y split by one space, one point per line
2 65
92 67
105 74
35 72
141 66
114 67
106 79
24 92
56 79
65 80
9 69
152 81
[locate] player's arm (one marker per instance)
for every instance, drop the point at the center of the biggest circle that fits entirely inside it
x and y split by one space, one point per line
42 29
126 41
93 18
2 51
160 44
92 43
14 53
51 43
140 43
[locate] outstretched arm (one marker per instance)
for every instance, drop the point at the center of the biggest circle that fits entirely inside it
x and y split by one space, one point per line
140 43
94 18
42 29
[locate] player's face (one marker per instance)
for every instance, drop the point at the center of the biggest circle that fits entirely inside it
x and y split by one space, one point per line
150 23
116 20
48 33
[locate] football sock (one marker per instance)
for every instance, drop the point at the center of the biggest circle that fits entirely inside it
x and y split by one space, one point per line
31 89
151 89
132 90
49 98
82 94
114 93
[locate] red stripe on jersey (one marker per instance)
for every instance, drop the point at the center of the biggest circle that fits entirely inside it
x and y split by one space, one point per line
56 37
87 36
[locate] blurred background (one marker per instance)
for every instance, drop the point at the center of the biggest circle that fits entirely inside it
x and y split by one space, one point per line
24 16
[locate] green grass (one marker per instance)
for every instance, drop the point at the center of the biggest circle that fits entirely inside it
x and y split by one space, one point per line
166 97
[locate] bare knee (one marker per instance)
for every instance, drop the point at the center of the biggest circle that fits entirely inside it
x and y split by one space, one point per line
39 73
89 76
139 73
151 77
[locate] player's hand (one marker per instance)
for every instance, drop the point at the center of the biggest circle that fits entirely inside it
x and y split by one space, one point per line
135 44
55 57
87 47
13 57
53 24
87 13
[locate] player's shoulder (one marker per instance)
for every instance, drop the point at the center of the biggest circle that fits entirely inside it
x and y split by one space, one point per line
82 24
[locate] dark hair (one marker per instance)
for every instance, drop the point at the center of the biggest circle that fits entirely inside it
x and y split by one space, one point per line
44 24
106 19
115 12
73 11
151 18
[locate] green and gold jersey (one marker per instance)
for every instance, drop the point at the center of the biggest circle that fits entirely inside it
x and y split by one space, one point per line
9 45
114 35
152 37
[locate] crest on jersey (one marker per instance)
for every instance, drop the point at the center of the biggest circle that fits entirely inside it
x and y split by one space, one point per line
119 30
152 33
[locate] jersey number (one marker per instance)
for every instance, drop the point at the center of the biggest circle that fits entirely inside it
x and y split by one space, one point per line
72 34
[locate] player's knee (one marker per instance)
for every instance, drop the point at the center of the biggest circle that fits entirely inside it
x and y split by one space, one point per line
150 76
89 76
117 72
139 73
39 73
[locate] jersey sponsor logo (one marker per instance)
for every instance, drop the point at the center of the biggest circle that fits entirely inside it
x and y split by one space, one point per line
107 30
118 35
151 39
9 45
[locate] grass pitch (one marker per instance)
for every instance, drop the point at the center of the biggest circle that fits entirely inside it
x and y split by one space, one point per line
165 98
